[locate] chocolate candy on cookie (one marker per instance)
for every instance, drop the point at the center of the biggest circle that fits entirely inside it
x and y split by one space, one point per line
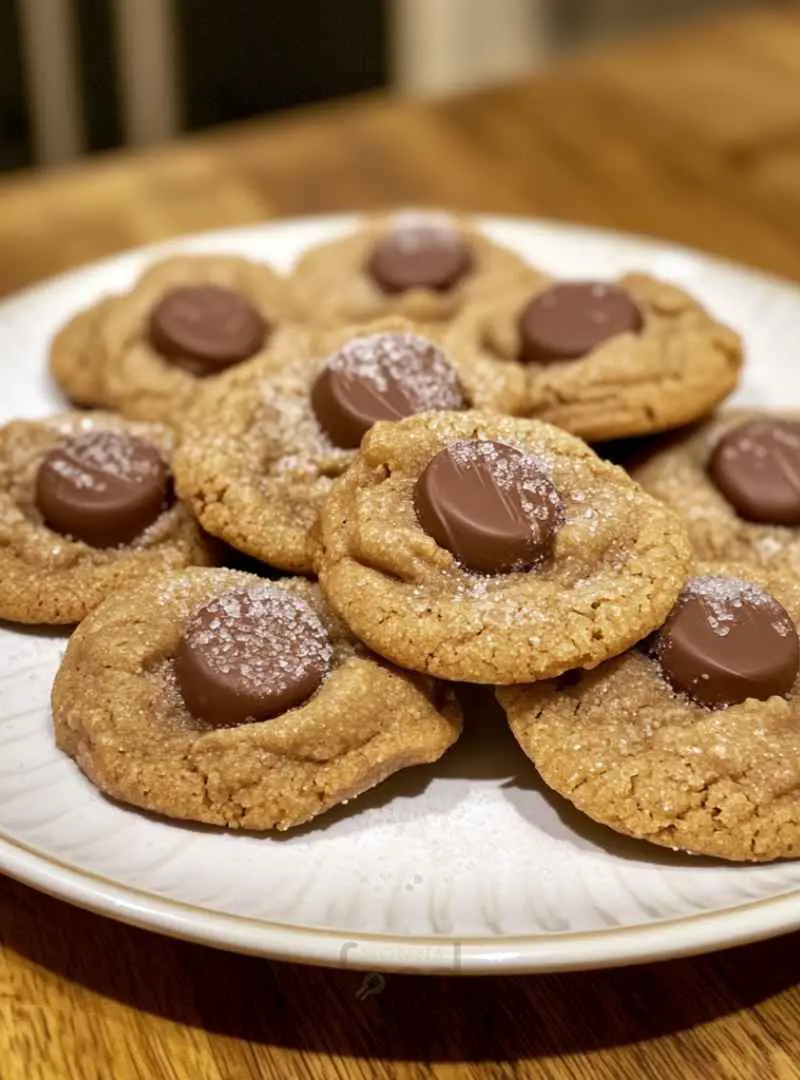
86 504
102 487
264 444
214 697
756 466
569 321
206 328
727 640
489 504
488 549
693 741
188 318
383 376
250 655
423 265
604 360
420 252
736 483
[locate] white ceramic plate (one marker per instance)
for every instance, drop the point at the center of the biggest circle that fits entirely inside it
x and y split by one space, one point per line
469 866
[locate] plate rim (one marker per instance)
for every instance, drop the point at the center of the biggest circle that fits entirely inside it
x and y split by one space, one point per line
686 935
581 950
314 222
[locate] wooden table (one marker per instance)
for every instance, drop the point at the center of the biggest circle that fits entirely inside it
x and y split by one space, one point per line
695 137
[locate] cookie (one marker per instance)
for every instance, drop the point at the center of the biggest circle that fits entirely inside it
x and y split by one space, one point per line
489 549
425 265
736 483
218 697
86 506
262 447
186 320
77 359
694 741
604 361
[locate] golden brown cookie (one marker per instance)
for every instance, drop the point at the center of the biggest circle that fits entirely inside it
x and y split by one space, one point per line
694 742
736 483
494 550
77 360
262 446
604 361
334 722
85 508
186 320
422 264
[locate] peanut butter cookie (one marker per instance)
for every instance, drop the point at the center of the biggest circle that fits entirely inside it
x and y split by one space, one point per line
425 265
604 360
262 447
217 697
77 360
488 549
188 318
86 506
692 742
736 483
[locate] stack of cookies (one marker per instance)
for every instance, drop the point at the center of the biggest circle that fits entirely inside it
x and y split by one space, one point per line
293 516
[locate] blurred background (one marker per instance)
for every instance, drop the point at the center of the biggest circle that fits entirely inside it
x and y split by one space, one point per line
81 76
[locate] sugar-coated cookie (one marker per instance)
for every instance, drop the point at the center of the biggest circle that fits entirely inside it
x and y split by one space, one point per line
489 549
604 360
736 483
262 446
423 264
218 697
188 318
86 507
692 742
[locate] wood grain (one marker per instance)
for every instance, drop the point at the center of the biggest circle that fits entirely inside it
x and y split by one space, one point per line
694 137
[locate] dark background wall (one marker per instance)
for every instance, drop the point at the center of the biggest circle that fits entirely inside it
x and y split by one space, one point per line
238 59
245 58
241 58
14 145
